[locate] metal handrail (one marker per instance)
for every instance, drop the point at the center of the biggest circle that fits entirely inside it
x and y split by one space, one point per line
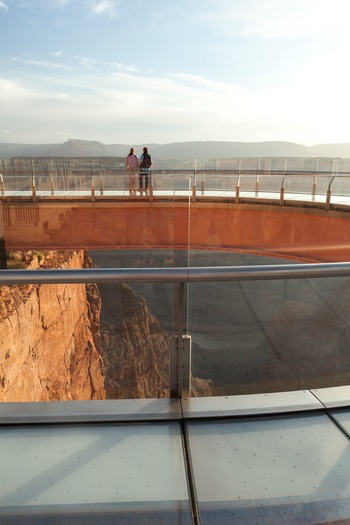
176 275
95 193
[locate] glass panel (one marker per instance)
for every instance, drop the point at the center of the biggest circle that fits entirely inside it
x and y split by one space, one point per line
270 183
63 183
100 474
324 165
79 342
321 184
17 183
173 183
112 182
292 469
266 336
247 183
295 183
342 418
341 185
150 234
216 183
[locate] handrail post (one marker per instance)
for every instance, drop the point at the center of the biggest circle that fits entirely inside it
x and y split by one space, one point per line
314 188
202 184
194 189
93 198
329 193
282 191
238 189
180 352
33 189
51 180
150 186
186 360
257 184
101 183
2 186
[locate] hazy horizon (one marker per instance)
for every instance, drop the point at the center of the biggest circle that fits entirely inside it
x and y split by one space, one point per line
199 141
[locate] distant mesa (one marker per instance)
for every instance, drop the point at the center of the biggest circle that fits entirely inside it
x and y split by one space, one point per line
176 150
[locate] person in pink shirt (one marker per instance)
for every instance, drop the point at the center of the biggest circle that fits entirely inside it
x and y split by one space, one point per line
132 164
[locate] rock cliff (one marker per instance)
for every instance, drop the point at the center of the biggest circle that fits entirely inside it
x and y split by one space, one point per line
49 335
135 348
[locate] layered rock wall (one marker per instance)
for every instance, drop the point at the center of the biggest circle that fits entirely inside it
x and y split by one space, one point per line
49 336
135 348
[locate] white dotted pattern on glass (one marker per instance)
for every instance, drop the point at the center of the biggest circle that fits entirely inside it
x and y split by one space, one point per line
272 459
45 465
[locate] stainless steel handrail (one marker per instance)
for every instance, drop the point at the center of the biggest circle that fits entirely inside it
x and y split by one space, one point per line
176 275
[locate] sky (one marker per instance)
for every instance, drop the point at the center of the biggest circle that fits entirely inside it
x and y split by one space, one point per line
161 71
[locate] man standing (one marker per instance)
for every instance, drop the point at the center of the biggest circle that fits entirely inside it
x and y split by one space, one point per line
145 168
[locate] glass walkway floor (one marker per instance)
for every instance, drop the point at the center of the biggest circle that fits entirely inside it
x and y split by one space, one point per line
163 461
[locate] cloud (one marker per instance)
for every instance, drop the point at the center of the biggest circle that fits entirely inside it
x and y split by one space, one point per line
272 19
99 7
105 7
46 64
13 90
115 102
131 104
3 5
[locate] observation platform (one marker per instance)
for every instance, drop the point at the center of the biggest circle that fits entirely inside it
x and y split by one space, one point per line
266 458
291 215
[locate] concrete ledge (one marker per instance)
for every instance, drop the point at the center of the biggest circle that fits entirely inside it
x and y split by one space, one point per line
129 410
249 405
90 411
333 397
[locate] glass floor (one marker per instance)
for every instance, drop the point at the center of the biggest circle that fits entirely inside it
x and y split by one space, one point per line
171 468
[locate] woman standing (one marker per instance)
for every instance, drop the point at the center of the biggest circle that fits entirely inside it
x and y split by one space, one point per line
132 164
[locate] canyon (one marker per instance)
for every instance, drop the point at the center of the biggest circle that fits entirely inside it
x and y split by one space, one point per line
112 341
49 335
61 342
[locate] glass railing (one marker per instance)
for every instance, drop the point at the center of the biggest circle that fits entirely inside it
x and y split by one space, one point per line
254 329
269 336
321 188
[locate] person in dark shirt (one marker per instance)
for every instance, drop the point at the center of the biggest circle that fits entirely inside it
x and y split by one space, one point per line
145 168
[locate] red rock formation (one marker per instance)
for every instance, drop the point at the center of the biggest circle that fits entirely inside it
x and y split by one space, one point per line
135 348
49 342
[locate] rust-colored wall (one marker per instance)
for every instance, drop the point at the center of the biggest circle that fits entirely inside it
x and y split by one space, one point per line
305 233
